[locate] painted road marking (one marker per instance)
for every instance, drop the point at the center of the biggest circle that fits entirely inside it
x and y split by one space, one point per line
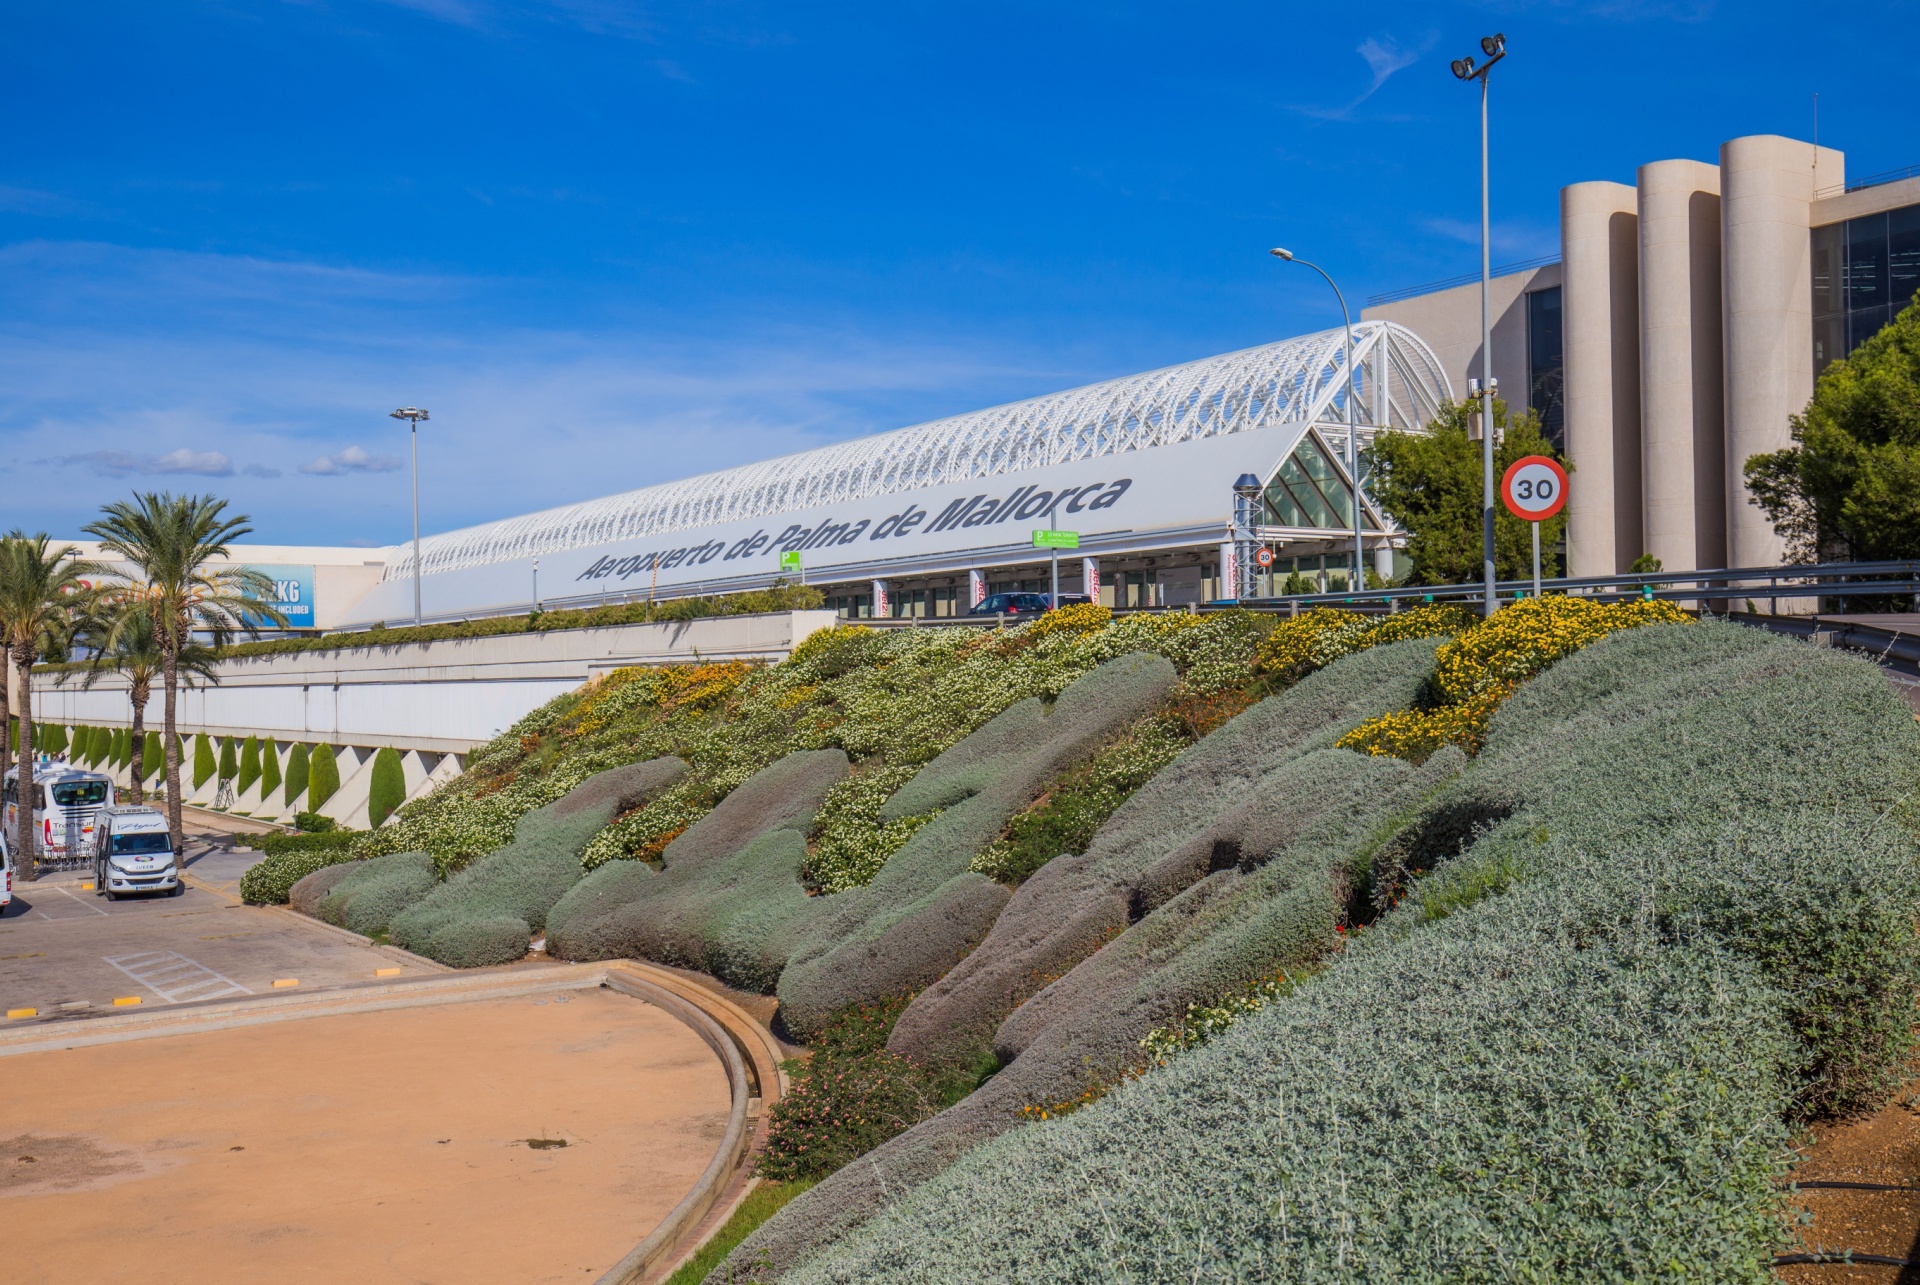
175 978
77 913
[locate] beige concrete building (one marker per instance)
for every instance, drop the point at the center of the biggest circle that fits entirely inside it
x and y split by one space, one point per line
1680 332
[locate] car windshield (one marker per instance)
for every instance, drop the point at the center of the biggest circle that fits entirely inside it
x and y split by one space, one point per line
1030 602
139 844
78 794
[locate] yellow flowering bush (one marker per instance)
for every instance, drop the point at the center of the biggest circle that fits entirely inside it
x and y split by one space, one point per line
1481 667
1081 618
1304 643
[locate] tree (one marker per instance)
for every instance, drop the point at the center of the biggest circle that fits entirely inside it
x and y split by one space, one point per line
178 546
121 633
388 788
296 772
323 777
1849 487
249 765
40 589
269 769
1430 484
202 760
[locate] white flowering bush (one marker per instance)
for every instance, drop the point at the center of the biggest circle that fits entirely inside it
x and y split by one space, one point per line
851 843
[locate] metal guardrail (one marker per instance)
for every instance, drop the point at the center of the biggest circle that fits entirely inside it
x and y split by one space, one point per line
1721 584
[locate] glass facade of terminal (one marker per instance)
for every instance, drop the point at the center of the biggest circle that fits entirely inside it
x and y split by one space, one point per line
1546 365
1865 271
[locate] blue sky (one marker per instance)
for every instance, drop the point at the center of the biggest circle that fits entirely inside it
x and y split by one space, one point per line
614 243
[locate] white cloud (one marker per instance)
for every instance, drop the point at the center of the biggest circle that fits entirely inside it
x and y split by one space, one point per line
259 470
1383 56
354 459
109 463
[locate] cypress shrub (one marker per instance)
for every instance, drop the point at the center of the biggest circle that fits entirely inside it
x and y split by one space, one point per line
153 756
122 746
249 765
323 776
229 765
388 788
202 760
269 769
297 770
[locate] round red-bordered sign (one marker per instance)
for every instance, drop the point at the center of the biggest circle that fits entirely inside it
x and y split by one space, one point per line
1263 557
1534 488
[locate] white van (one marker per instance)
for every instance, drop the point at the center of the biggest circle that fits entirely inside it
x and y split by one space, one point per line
67 802
6 872
134 854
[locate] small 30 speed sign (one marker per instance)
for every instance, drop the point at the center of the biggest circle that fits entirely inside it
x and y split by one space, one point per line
1534 488
1264 557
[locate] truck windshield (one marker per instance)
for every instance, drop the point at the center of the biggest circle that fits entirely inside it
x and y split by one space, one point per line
130 844
80 794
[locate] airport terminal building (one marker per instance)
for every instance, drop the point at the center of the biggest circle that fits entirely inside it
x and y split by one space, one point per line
1674 336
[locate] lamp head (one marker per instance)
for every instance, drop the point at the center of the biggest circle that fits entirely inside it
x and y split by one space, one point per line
413 413
1279 253
1463 68
1495 45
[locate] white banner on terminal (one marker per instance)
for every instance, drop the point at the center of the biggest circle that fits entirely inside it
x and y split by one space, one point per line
1181 485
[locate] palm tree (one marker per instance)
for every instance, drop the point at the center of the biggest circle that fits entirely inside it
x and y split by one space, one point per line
123 639
177 544
39 595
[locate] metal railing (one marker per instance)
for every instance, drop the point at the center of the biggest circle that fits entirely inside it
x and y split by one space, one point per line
1717 585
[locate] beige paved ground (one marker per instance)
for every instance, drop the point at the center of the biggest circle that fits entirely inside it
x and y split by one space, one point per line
368 1148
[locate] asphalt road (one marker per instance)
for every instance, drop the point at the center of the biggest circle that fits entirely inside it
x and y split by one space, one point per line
69 953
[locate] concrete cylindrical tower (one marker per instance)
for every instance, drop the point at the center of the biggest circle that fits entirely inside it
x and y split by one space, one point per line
1599 240
1767 185
1682 419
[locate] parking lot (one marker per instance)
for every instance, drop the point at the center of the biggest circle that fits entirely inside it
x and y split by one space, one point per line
69 953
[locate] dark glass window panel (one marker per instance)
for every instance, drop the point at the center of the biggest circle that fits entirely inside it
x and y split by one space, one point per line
1546 364
1903 256
1863 324
1829 341
1829 254
1307 491
1866 262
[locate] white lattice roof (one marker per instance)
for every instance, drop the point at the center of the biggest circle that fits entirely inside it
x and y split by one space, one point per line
1297 381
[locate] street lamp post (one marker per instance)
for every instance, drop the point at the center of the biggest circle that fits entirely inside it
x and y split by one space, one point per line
1357 581
1495 48
413 415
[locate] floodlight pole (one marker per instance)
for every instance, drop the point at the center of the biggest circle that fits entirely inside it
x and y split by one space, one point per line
1357 580
1495 47
413 415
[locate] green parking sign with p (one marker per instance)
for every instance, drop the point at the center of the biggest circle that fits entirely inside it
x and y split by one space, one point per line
1056 539
790 561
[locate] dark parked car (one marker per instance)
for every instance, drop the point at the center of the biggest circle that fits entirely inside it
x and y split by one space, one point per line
1012 604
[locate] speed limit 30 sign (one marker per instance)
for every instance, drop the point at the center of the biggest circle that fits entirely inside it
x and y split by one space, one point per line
1534 488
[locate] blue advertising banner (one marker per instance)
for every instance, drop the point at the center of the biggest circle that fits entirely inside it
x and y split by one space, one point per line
292 594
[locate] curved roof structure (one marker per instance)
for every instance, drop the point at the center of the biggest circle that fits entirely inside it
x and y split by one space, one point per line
1398 380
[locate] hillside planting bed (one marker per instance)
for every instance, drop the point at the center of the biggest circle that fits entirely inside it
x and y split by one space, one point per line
1209 948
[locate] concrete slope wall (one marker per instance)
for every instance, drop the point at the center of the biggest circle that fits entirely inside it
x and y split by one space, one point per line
436 697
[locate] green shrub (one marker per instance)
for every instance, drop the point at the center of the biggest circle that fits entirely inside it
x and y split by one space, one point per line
202 760
323 776
314 823
388 788
848 1098
488 912
297 768
249 765
269 769
229 759
153 755
367 895
274 844
56 738
270 880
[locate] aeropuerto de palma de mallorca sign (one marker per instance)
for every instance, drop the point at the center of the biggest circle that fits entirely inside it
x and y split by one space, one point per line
978 522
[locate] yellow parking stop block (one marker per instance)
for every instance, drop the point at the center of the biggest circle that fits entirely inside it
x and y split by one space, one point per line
386 972
281 983
125 1000
23 1012
86 887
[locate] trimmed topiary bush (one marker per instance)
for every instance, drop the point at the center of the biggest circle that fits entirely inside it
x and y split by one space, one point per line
323 776
202 760
487 913
297 771
229 759
249 765
368 894
269 769
388 788
153 755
